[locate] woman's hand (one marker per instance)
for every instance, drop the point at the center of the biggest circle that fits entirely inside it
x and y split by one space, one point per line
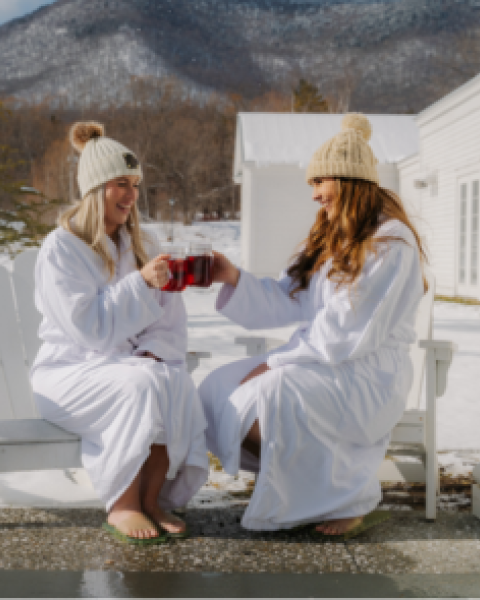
223 270
156 273
263 368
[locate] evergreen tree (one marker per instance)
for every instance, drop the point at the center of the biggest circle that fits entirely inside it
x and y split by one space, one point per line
307 98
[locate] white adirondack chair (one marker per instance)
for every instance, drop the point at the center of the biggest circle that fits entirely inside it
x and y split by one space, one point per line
416 432
28 443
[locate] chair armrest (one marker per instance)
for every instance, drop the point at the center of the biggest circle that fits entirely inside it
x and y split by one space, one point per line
193 359
258 345
442 353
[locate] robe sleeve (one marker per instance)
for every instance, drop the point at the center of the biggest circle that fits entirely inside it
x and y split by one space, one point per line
166 338
260 303
92 317
354 323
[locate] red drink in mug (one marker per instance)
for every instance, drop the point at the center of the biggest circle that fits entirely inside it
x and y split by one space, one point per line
200 264
177 265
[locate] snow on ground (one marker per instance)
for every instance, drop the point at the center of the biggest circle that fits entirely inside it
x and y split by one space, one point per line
458 410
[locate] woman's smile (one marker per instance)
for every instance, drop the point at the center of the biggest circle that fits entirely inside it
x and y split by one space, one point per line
120 197
124 208
325 203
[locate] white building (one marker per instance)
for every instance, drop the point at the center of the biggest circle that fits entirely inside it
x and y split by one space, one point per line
272 152
447 164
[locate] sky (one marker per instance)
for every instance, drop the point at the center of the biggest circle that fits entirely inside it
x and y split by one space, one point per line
12 9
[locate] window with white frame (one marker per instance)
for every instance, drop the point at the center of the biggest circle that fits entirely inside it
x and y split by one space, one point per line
462 255
474 234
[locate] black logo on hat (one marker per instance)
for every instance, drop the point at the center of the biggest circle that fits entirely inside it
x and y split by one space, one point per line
131 161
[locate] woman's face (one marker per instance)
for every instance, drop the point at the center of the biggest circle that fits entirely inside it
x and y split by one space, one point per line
325 193
120 196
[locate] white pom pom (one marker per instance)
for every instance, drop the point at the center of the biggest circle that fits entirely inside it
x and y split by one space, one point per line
359 123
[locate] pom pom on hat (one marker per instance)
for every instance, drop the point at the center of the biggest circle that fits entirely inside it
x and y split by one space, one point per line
358 123
81 133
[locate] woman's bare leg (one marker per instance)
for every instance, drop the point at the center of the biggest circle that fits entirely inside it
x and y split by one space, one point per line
253 440
128 505
153 475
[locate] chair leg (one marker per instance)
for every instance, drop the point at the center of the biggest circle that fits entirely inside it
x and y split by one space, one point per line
431 486
431 438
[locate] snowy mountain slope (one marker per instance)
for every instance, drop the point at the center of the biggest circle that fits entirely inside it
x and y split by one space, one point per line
383 50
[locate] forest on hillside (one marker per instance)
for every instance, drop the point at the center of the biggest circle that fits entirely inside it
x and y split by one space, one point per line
185 147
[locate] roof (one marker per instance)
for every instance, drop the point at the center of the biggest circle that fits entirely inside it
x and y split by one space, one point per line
451 100
292 138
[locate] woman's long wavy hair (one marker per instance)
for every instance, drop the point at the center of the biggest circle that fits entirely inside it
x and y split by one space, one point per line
89 225
348 237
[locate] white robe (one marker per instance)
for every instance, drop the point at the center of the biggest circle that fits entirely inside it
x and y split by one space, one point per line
334 392
90 379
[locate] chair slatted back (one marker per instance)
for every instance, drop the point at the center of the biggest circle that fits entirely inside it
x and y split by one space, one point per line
16 399
24 286
423 329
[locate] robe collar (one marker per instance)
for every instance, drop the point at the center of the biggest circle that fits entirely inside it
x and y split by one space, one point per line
124 241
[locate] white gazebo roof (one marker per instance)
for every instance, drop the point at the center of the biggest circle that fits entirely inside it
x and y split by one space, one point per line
292 138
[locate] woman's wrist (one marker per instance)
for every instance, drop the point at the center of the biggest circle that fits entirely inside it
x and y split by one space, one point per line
233 276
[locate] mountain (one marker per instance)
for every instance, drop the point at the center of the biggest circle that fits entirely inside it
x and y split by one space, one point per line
374 55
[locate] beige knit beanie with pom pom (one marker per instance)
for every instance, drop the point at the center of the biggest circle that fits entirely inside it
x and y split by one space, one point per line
347 154
101 159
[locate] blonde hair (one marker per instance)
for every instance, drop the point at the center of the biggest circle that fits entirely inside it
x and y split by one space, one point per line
89 226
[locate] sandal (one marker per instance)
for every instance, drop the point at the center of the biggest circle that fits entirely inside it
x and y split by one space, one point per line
135 522
180 535
370 520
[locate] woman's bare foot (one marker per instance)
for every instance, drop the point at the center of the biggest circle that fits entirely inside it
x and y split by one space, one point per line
132 523
339 526
171 523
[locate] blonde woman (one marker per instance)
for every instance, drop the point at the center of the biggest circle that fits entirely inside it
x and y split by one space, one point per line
314 417
111 368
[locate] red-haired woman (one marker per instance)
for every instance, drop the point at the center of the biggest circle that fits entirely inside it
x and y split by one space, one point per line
314 416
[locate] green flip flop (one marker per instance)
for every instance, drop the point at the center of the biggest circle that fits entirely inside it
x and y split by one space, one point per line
374 518
181 535
160 539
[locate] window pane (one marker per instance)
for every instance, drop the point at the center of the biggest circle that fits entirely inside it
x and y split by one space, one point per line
474 244
462 255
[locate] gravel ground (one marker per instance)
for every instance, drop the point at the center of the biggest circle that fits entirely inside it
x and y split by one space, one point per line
73 540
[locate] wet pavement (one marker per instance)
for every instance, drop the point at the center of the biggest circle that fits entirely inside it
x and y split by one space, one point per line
104 584
61 553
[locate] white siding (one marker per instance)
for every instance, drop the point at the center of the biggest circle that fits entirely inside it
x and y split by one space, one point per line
388 176
409 170
450 144
246 216
281 214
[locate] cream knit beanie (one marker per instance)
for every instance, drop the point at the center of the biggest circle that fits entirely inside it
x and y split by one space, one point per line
101 159
347 154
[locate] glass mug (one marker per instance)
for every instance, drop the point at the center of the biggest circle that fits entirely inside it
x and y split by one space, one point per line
177 265
200 264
